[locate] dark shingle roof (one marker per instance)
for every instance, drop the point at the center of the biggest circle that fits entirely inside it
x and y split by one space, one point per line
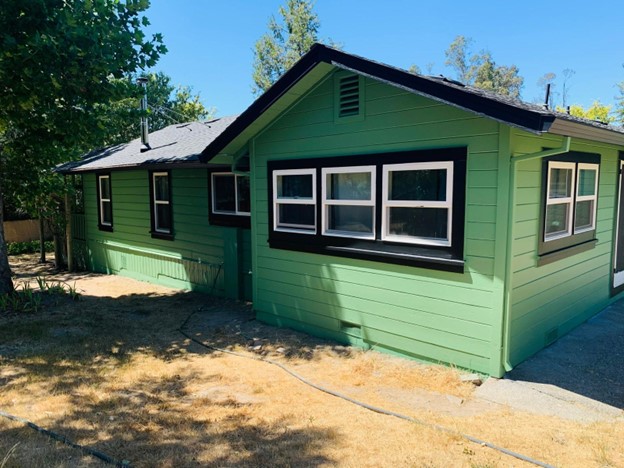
530 117
179 143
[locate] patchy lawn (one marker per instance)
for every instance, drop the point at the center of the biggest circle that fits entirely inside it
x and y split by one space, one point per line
113 372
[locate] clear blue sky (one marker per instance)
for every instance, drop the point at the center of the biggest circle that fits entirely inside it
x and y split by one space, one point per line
211 42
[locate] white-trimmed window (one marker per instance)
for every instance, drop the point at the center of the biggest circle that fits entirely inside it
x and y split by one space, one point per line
294 200
105 204
559 200
586 197
230 194
417 203
161 201
349 201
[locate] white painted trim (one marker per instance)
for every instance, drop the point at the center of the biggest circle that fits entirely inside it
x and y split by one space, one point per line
104 200
618 276
571 166
277 201
160 202
594 197
236 212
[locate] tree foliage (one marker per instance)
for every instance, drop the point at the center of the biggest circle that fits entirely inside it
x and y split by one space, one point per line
480 70
286 41
597 111
59 61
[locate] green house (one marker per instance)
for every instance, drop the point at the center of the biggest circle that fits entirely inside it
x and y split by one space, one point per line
410 214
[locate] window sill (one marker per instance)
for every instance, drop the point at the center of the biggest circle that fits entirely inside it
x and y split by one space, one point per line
104 227
551 257
230 220
161 235
379 252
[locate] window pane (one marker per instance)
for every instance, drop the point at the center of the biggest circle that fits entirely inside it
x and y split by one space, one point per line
427 184
161 187
105 188
223 192
350 218
557 219
300 215
294 186
107 213
349 186
586 182
163 218
244 200
584 214
560 183
419 222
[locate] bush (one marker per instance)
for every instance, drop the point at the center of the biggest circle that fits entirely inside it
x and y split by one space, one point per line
18 248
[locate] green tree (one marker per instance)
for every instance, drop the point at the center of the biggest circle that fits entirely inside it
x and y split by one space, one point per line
480 70
60 60
619 103
597 111
287 40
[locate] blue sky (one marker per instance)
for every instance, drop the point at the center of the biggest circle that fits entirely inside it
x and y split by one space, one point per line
211 42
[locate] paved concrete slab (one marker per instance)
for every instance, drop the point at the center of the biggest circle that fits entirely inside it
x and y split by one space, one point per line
580 377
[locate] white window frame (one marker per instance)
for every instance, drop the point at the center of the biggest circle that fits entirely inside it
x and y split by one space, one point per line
581 198
327 203
286 227
214 198
561 201
387 203
105 200
160 202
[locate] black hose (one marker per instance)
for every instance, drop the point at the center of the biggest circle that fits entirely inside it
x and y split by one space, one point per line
61 438
376 409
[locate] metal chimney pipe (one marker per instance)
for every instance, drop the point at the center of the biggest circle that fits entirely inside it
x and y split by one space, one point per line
145 146
547 96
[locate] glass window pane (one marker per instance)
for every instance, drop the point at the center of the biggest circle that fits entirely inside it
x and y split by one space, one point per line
584 214
244 199
107 213
560 183
349 186
419 222
557 219
161 187
223 191
294 186
586 182
105 188
163 218
350 218
427 184
300 215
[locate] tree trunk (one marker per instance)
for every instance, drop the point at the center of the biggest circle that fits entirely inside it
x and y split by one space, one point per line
42 252
6 283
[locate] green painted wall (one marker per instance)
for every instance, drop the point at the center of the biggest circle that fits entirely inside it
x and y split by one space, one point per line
552 299
428 314
201 257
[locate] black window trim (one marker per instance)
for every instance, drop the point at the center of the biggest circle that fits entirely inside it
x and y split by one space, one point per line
160 234
224 219
426 256
556 249
98 176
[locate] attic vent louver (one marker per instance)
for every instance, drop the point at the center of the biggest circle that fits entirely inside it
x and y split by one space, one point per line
349 96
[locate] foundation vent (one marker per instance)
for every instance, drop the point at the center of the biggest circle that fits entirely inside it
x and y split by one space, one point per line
551 336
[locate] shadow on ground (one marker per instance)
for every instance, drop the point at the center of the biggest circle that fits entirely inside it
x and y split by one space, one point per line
589 361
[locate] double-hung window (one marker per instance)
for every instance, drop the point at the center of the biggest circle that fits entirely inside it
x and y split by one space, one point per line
162 219
294 200
418 203
404 207
349 201
570 202
105 202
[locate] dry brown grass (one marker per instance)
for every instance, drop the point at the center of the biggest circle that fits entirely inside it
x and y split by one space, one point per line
112 372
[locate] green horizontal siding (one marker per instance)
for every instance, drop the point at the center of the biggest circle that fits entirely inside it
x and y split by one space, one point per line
429 314
549 300
196 258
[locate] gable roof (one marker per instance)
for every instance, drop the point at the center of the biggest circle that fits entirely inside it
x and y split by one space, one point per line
321 60
175 144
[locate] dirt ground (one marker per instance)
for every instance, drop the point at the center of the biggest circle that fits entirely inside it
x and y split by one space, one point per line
113 372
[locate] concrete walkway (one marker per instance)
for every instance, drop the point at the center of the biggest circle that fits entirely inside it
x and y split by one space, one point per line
579 377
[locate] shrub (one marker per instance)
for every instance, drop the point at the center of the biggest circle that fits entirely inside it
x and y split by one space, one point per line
19 248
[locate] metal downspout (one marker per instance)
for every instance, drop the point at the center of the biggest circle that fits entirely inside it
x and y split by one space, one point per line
510 220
